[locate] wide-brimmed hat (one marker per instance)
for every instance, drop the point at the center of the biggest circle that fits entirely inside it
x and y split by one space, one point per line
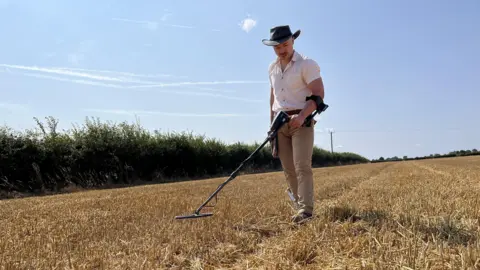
280 34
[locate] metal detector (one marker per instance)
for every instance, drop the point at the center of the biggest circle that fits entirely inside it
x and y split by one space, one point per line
280 119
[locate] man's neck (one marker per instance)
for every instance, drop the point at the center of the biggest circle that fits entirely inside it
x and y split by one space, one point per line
284 62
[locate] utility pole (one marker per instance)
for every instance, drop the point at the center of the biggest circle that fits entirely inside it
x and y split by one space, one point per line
331 139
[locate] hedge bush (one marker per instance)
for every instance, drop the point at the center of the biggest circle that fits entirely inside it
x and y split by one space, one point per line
97 154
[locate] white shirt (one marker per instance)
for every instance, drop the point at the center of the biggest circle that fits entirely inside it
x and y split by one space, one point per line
290 87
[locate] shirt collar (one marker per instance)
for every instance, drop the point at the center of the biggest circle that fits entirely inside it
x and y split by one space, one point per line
295 57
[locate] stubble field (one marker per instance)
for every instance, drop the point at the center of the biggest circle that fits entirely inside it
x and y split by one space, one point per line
402 215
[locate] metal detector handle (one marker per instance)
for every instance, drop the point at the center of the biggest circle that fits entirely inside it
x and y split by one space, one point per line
280 119
309 118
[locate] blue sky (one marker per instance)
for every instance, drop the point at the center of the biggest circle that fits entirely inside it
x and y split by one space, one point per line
398 75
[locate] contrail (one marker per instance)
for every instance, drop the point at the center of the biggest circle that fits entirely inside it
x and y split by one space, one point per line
75 73
130 74
110 85
74 81
64 72
119 82
148 84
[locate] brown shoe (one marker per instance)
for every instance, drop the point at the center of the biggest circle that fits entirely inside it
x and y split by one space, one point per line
301 217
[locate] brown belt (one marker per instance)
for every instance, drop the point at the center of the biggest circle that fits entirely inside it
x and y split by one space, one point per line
292 112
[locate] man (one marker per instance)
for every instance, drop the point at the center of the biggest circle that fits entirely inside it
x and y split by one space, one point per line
296 88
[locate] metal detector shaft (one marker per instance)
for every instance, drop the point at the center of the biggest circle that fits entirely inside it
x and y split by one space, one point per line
234 173
279 120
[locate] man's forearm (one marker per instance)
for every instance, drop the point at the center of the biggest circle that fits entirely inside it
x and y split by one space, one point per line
309 107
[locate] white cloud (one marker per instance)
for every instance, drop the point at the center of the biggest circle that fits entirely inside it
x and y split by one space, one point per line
248 24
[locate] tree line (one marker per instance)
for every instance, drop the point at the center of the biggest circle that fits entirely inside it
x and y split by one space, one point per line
459 153
99 154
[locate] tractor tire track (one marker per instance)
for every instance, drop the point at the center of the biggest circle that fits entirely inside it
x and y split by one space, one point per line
432 169
285 233
375 174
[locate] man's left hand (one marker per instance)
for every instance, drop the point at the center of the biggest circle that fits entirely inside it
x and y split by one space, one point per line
296 120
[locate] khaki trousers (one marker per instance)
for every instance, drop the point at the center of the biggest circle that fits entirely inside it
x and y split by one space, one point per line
295 149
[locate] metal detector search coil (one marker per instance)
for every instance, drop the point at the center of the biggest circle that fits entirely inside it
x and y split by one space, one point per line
280 119
195 215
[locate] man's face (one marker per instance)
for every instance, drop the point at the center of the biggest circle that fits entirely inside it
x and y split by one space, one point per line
285 49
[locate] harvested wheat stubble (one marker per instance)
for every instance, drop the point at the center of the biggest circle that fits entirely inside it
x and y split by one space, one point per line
396 215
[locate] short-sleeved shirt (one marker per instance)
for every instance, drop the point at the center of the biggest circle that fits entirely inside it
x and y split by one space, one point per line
290 86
